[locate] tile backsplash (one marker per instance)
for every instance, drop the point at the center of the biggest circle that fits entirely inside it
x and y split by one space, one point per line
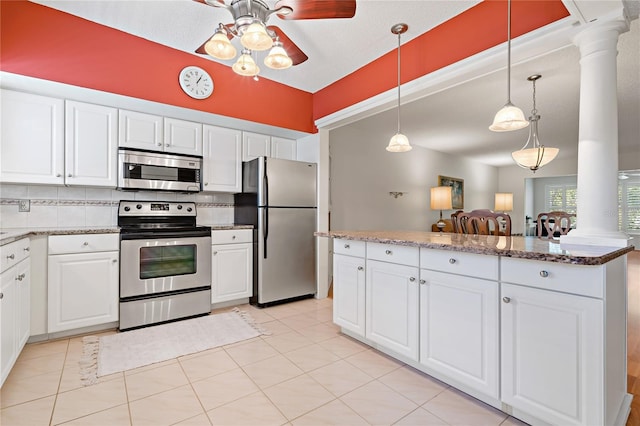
62 206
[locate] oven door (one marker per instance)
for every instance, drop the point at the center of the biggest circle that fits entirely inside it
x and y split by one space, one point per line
161 265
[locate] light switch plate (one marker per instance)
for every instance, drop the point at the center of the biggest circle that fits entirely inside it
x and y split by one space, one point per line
24 206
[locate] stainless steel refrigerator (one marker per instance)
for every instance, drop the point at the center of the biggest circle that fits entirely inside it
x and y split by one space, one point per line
279 200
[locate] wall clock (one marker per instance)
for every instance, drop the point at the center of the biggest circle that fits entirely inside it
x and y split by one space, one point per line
196 82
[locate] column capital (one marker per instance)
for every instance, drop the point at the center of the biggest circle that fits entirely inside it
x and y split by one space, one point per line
604 30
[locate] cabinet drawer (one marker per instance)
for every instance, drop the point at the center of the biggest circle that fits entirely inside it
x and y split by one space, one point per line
231 236
84 243
455 262
349 247
403 255
585 280
12 253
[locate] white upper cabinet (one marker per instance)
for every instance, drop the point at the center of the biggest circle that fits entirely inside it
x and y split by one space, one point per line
31 139
139 130
182 137
257 145
91 144
222 159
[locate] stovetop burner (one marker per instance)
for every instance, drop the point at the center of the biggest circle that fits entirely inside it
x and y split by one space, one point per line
158 217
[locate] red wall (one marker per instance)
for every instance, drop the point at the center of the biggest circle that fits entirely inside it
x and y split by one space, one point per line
41 42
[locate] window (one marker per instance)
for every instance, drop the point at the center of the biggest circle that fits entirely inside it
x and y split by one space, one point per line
561 197
629 205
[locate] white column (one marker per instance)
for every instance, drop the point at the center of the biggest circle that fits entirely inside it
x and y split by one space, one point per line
597 215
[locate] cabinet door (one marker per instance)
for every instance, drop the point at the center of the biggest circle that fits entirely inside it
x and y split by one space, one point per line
182 137
459 329
552 355
139 130
23 294
8 309
392 307
31 138
232 272
255 145
91 144
283 148
222 159
83 290
349 293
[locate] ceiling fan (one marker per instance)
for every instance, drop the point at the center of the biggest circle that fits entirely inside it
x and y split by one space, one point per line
250 26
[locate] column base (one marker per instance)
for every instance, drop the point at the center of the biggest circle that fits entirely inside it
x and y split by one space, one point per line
595 238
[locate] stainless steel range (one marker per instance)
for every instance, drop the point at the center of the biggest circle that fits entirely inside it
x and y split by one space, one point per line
165 263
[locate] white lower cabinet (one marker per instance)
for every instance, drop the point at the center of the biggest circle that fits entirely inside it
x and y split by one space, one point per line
349 293
83 281
392 307
231 265
552 361
459 329
15 303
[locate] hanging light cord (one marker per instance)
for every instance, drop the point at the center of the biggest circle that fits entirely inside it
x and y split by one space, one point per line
398 82
534 111
509 52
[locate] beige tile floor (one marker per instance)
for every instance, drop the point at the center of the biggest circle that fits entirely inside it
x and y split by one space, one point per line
304 373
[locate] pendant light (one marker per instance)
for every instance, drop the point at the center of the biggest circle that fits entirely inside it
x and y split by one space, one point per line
245 65
278 58
510 117
538 155
399 142
219 45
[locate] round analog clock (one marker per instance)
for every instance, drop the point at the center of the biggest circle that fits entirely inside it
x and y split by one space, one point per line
196 82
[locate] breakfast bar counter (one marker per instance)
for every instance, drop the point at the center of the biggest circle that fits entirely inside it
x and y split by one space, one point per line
530 326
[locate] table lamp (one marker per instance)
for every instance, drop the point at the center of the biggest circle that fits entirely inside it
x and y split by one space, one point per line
441 200
504 202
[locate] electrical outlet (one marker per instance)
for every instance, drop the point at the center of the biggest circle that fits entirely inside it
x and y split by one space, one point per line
24 206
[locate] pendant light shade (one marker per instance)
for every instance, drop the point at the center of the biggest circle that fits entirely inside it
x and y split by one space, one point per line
245 65
510 117
278 58
399 142
537 155
219 46
255 37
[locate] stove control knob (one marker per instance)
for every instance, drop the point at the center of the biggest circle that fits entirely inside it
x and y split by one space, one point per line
189 209
179 206
138 206
127 208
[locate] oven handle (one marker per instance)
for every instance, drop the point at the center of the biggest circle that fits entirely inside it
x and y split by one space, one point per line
145 235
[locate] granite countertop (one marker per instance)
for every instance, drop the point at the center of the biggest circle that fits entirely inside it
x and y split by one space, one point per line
533 248
10 235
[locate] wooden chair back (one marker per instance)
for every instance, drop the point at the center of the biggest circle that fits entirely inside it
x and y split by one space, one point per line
482 222
554 224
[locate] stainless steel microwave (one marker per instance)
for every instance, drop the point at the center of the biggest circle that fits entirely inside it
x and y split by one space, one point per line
158 171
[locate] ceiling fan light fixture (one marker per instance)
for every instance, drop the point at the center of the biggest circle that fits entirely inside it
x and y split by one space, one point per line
220 47
278 58
255 37
399 143
245 65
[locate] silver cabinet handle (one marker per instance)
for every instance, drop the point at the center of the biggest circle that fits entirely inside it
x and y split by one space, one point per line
26 249
69 175
114 261
347 246
233 237
206 184
159 144
1 295
360 268
11 256
506 299
423 282
452 261
85 244
215 253
58 175
166 144
412 279
544 274
21 277
389 252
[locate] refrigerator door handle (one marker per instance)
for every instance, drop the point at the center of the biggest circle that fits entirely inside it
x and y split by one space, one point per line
265 230
265 191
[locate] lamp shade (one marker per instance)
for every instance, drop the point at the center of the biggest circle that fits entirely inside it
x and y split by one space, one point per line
220 47
441 198
504 202
278 58
245 65
534 158
399 143
255 37
510 117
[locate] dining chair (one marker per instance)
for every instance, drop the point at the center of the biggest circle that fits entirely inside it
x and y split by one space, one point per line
553 224
483 222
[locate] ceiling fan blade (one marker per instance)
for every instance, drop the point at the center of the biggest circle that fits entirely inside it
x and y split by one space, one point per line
297 56
201 50
212 2
318 9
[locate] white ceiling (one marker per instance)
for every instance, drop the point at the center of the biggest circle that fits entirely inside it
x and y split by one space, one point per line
454 120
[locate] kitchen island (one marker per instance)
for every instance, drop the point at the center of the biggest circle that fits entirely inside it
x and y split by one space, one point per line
527 325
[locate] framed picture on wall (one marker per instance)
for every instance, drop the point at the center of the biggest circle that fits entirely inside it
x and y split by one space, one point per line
457 190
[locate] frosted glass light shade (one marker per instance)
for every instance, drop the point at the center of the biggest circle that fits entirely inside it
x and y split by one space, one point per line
510 117
245 65
255 37
504 202
278 58
441 198
220 47
534 158
399 143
